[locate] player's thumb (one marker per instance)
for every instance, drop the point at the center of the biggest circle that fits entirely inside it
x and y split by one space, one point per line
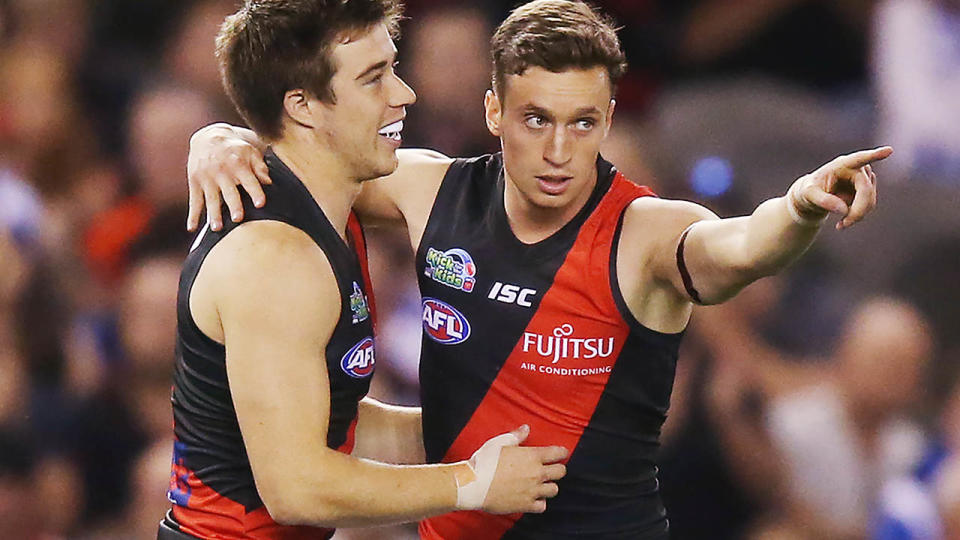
517 436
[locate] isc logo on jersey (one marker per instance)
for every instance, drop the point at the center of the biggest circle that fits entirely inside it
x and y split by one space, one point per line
443 323
359 360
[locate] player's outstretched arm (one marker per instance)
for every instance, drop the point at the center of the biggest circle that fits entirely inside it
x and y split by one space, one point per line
275 344
709 260
224 158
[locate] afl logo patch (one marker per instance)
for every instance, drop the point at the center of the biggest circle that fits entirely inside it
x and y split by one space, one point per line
359 360
443 323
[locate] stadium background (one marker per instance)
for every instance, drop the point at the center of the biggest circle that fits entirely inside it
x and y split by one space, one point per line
788 420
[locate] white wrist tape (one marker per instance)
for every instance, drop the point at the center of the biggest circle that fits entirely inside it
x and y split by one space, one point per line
793 200
483 462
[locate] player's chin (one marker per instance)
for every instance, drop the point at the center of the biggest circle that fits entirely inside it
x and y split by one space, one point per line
386 164
549 200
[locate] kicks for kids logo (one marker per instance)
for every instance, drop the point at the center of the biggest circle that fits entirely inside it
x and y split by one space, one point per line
358 304
454 268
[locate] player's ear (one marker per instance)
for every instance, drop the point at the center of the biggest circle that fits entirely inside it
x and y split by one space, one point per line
297 105
608 121
494 113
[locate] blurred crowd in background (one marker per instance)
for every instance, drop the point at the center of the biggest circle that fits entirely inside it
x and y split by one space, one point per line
823 403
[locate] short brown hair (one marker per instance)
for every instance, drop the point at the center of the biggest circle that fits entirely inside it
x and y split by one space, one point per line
270 47
555 35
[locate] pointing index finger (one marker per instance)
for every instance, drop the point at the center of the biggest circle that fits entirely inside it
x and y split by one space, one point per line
859 159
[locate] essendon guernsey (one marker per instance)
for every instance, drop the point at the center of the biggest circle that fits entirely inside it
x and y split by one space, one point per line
539 334
211 484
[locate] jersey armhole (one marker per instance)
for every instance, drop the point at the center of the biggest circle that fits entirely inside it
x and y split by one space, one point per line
184 311
360 247
624 310
220 235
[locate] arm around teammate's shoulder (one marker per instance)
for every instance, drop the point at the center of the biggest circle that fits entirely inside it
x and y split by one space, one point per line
224 159
407 194
278 305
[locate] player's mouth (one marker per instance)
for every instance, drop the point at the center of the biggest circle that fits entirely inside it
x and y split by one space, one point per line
392 131
554 184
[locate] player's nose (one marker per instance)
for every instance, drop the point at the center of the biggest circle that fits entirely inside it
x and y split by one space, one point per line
402 94
557 151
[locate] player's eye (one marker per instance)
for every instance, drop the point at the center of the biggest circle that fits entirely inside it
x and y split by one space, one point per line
585 124
535 121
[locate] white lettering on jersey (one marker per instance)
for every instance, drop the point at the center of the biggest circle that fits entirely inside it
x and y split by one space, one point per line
511 294
561 345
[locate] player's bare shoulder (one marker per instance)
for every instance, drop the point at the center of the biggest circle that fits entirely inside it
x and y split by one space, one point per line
652 224
646 260
262 264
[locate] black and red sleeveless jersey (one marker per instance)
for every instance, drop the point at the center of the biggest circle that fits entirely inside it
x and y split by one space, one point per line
539 334
211 485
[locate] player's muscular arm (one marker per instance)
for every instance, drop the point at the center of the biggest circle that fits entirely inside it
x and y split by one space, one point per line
406 196
721 256
275 344
389 433
650 226
223 158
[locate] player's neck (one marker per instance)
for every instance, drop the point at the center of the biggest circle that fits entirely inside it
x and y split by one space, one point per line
325 178
531 223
